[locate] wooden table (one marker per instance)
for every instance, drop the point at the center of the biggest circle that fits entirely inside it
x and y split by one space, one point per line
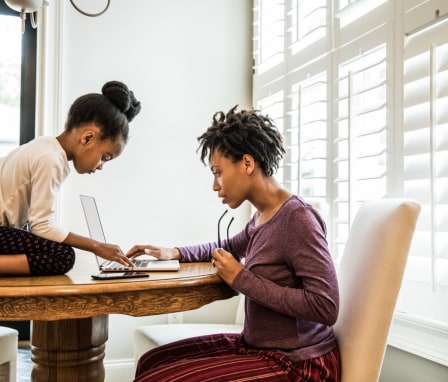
70 312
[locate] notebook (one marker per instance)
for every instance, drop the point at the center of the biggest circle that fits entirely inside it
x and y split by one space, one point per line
96 232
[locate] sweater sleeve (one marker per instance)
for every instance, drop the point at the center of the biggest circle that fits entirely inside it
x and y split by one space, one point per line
203 252
196 253
46 178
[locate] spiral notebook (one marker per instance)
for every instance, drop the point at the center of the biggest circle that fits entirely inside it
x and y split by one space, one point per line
96 233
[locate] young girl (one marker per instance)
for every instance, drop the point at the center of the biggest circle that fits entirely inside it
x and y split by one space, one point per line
288 277
96 132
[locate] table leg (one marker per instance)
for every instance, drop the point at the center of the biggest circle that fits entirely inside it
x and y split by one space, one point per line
69 350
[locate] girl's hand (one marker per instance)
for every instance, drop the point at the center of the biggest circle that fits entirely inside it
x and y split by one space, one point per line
106 251
226 265
158 252
113 252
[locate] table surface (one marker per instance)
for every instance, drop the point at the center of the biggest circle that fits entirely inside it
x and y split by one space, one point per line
77 295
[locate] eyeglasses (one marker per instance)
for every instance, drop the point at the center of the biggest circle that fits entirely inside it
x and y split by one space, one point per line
219 232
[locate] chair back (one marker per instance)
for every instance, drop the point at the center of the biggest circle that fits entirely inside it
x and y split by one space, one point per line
370 275
239 316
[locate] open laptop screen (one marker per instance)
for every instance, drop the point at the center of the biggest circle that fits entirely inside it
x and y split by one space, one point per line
92 218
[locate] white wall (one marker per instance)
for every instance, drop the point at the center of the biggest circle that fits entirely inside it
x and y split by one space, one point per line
184 60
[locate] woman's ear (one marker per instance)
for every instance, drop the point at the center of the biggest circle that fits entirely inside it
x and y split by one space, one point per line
248 163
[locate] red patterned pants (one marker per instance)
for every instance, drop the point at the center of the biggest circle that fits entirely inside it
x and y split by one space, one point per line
225 357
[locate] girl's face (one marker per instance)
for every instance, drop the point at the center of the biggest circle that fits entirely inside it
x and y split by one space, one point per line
231 179
93 152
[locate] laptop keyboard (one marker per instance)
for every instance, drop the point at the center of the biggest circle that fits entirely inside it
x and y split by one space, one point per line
141 263
137 263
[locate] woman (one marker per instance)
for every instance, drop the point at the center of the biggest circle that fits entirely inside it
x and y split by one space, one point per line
96 132
288 276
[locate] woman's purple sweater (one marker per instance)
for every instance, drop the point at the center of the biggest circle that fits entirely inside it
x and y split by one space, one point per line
289 281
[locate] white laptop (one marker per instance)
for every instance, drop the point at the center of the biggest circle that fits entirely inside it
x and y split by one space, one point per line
96 232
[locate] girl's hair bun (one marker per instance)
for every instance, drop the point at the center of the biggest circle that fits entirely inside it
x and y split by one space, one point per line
123 98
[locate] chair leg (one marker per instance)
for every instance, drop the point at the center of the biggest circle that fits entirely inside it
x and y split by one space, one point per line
4 372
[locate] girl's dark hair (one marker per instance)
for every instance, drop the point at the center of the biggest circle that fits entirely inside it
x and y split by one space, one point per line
111 111
246 132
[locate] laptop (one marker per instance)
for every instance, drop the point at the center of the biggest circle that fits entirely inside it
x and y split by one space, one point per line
96 232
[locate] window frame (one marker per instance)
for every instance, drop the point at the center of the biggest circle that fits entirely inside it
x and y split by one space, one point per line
28 78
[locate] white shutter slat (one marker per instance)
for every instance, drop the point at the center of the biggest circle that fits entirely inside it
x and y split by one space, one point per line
417 167
416 92
442 191
442 226
441 169
416 142
417 116
418 190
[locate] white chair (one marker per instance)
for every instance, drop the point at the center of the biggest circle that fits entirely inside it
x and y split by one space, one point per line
9 341
151 336
370 276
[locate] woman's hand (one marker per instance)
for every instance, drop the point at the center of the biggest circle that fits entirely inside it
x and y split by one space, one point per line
226 265
158 252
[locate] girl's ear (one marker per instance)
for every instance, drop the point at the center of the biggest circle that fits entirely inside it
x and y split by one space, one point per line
87 137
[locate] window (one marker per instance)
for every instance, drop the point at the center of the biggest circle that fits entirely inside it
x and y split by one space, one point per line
363 108
17 96
17 81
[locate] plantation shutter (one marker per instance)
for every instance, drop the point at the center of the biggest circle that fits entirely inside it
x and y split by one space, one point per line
425 174
364 113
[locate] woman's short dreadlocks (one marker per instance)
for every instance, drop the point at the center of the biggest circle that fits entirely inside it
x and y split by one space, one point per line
246 132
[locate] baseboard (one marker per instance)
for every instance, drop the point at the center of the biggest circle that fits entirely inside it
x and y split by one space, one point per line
119 370
420 336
